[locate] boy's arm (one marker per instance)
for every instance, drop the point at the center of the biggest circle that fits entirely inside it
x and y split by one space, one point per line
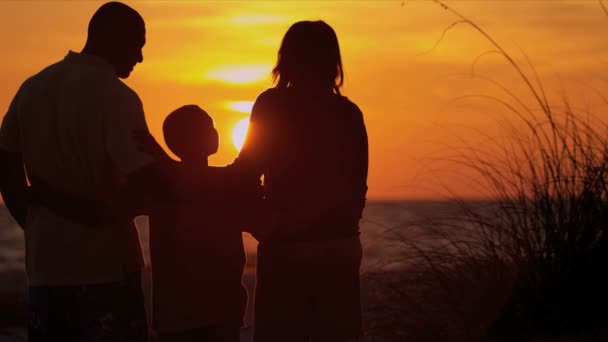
253 213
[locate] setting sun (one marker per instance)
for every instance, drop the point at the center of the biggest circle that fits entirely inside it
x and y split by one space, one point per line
426 170
220 55
239 133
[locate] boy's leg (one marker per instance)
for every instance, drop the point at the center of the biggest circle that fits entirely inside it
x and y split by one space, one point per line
113 312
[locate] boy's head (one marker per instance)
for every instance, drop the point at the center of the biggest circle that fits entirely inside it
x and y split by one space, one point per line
190 134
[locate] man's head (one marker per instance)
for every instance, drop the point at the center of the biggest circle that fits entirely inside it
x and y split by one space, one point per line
190 134
117 33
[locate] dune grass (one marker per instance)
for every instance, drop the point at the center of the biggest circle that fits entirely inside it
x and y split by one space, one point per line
533 261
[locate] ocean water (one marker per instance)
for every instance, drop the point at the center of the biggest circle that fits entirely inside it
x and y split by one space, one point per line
381 221
380 217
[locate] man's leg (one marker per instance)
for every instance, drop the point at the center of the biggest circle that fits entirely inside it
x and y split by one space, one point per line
227 332
52 314
197 335
223 332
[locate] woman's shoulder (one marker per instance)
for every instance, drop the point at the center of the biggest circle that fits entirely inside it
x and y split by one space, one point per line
348 102
347 106
270 94
273 97
267 102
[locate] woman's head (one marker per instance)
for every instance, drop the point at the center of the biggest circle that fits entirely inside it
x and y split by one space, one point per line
309 55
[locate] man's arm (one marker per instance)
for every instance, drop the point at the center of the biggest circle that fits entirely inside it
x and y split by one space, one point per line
148 179
13 185
164 179
152 183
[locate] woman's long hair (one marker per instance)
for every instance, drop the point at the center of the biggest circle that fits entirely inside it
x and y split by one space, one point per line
310 55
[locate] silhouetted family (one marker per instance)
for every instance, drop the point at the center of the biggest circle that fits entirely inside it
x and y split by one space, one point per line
77 134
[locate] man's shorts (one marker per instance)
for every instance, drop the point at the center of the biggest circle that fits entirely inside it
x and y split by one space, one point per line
93 313
308 287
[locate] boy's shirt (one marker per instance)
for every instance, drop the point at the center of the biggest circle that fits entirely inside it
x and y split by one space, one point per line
198 256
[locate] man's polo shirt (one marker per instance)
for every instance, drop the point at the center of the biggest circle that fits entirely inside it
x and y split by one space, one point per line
73 123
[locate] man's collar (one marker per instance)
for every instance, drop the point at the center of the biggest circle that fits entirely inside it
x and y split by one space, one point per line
98 61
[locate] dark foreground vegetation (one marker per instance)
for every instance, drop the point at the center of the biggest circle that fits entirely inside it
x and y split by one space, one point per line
529 265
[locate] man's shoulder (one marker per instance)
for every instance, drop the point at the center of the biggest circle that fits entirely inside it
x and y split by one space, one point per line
84 74
109 83
80 75
124 90
113 92
42 75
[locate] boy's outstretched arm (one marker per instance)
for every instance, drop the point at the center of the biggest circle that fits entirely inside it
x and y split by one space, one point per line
245 195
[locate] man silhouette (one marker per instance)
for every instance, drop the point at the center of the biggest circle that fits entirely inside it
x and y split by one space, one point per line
71 126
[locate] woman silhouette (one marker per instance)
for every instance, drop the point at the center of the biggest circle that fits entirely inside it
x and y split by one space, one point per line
310 144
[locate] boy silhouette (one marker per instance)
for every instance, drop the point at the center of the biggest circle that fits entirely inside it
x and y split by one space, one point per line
197 248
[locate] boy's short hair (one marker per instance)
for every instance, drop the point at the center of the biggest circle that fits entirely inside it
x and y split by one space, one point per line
189 129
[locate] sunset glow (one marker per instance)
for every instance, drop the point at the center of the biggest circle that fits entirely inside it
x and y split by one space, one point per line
257 19
240 74
241 106
239 133
220 54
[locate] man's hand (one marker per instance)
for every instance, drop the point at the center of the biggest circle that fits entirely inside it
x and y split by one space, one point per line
146 143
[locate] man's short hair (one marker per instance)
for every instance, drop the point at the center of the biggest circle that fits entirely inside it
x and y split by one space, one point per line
113 18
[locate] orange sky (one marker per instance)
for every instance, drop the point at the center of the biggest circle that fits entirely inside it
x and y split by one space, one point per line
216 53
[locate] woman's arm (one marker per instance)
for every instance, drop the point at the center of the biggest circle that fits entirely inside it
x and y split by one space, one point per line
361 161
253 157
250 165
